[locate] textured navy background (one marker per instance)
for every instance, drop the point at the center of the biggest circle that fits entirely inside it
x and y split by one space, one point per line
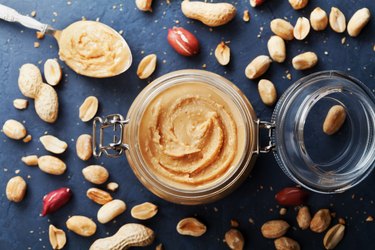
21 225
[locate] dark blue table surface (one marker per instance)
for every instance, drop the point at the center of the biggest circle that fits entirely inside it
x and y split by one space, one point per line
21 225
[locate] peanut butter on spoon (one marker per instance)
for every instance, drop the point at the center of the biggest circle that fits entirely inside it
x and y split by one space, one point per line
89 48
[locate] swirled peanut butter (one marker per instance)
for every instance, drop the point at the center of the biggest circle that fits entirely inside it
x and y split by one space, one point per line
191 134
93 49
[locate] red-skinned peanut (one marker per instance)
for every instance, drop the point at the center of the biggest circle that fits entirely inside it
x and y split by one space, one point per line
291 196
55 199
256 3
184 42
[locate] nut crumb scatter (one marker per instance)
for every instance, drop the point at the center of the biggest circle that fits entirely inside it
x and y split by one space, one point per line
246 16
283 211
370 219
36 44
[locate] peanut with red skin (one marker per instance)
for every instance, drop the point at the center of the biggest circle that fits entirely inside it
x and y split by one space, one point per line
55 199
256 3
183 42
291 196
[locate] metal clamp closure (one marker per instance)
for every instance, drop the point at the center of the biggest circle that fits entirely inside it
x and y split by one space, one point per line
116 147
264 125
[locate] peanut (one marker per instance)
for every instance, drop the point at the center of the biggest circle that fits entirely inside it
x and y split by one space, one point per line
20 104
144 5
246 16
274 229
211 14
257 67
191 226
358 21
282 28
14 129
183 41
39 35
144 211
276 49
333 236
57 237
321 220
52 72
98 196
256 3
222 54
112 186
95 174
285 243
304 218
111 210
84 147
305 60
267 92
337 20
147 66
53 144
30 160
298 4
27 139
51 165
31 85
129 235
46 103
29 80
234 239
334 120
81 225
318 19
88 108
16 189
302 28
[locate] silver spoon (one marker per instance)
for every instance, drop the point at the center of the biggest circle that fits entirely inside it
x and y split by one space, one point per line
11 15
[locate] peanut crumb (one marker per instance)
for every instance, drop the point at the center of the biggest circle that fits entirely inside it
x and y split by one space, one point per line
204 66
342 221
168 1
246 16
282 211
234 223
27 139
36 44
39 35
112 186
251 221
289 76
121 32
370 218
17 171
33 13
373 48
159 247
343 40
216 209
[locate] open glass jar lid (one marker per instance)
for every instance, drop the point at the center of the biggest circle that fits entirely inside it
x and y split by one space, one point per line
319 162
192 137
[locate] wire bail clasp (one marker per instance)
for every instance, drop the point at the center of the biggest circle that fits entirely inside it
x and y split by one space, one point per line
116 147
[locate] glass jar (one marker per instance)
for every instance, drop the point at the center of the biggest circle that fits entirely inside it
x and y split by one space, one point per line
325 164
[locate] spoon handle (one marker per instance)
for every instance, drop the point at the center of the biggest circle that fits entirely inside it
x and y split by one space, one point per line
11 15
